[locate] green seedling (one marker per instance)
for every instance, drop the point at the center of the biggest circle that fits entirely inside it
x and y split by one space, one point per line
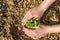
31 24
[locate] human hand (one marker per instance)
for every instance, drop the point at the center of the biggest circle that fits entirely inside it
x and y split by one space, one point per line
32 14
35 34
39 31
37 12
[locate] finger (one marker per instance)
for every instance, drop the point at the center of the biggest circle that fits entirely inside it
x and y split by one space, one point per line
36 17
26 17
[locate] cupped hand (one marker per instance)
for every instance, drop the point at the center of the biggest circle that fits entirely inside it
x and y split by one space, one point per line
32 14
37 13
37 32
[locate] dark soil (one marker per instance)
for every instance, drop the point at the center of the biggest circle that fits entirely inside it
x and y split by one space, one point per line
12 12
52 15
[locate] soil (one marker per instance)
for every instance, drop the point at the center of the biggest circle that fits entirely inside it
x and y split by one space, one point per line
12 12
52 15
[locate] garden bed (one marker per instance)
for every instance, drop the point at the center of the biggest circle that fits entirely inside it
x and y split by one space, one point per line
12 12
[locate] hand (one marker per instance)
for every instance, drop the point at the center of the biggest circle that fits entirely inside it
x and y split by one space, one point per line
37 12
43 29
39 31
35 34
32 14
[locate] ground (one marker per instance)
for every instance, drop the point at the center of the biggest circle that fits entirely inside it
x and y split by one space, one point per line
12 12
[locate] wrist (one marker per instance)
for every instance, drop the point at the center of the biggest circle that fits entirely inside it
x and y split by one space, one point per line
45 4
53 29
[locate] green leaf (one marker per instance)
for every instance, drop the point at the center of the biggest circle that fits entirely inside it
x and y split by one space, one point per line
37 22
31 24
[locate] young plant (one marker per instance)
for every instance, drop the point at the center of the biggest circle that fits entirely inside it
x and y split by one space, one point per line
32 24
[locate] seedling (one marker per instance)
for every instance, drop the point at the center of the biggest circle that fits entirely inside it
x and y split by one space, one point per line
32 24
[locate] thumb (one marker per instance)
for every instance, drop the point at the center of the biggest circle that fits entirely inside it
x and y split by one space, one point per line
53 29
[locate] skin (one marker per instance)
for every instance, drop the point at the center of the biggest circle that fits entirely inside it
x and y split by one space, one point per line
37 13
